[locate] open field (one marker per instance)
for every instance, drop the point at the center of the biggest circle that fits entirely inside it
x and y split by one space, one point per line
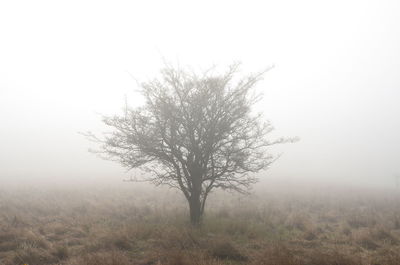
130 225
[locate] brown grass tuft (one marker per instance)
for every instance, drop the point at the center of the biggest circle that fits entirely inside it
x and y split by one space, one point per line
225 250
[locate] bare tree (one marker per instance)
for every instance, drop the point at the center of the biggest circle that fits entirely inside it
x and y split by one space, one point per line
194 132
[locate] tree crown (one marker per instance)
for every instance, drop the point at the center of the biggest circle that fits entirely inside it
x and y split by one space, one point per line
194 132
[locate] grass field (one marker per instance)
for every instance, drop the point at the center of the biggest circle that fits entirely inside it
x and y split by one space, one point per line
128 224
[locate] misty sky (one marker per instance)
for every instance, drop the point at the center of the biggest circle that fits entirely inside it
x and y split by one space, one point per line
335 84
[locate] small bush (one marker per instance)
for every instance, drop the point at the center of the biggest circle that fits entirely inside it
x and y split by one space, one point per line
61 252
225 250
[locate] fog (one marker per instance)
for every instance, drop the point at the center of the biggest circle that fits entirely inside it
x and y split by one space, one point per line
334 82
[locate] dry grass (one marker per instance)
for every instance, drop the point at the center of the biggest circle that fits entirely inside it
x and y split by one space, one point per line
133 226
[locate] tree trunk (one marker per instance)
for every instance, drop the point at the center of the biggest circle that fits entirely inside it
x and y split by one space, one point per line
194 199
195 210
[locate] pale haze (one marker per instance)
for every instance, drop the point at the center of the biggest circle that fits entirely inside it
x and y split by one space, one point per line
335 79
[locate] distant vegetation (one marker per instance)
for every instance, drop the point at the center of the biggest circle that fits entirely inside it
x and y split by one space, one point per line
132 226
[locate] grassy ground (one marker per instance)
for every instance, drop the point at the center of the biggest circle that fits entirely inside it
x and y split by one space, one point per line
128 225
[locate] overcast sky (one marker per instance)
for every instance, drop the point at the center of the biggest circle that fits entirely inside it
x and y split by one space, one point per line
335 84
